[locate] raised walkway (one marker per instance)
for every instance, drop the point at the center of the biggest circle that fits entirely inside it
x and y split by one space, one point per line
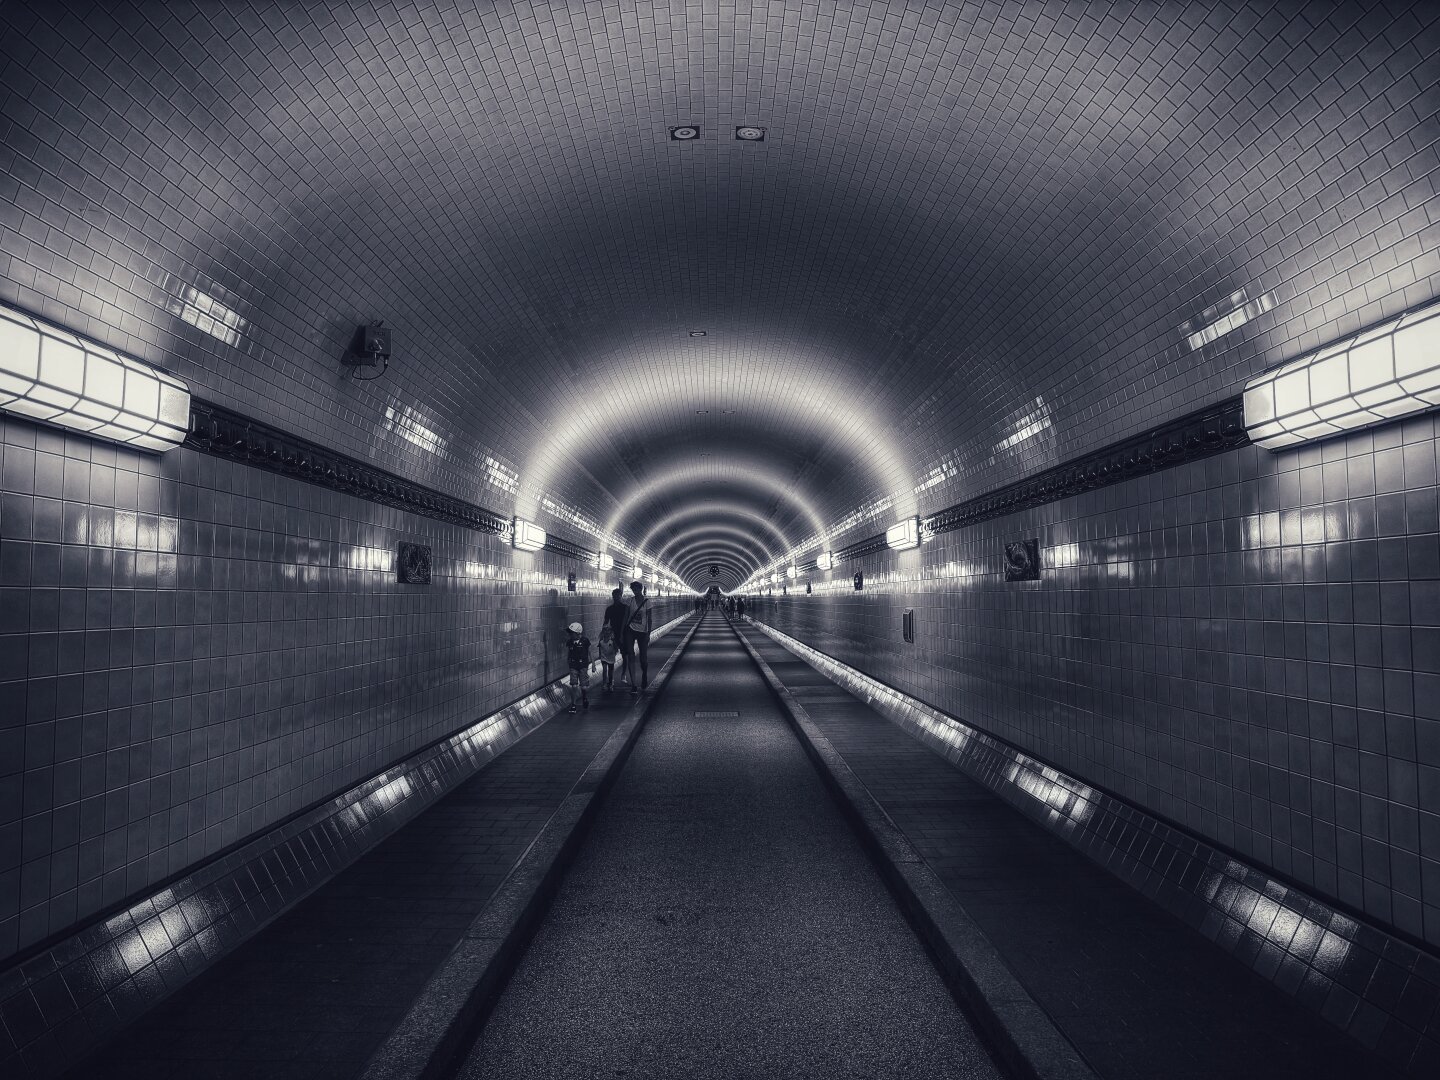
1138 993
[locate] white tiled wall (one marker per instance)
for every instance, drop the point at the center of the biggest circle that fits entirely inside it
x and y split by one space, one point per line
1248 646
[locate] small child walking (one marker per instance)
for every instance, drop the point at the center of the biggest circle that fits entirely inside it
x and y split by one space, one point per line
609 650
577 655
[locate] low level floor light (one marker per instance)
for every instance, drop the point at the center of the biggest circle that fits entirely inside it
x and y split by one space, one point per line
527 536
52 375
1389 371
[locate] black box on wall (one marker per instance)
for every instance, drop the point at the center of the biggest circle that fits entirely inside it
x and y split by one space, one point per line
1022 560
412 564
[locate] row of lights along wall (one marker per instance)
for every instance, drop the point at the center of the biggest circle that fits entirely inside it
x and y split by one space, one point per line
53 376
1385 373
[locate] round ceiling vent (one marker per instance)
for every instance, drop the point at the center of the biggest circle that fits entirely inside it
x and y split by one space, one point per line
750 134
685 133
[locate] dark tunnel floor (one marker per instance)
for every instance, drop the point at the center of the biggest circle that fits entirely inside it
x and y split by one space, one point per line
314 994
721 920
1139 993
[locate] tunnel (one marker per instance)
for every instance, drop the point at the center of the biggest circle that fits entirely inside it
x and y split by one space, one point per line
719 538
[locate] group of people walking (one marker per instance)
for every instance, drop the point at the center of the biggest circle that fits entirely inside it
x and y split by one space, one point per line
624 639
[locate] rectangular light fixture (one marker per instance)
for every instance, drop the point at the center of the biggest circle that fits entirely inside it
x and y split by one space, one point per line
52 375
825 560
1386 372
527 536
904 534
604 561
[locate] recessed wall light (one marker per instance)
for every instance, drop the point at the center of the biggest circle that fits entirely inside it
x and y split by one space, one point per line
749 133
685 133
697 333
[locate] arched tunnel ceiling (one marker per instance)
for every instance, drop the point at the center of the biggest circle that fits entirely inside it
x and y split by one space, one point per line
975 239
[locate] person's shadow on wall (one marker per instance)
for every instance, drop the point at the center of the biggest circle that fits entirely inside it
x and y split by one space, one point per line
553 619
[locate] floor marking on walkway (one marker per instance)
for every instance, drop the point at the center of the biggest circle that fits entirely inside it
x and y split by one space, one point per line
708 715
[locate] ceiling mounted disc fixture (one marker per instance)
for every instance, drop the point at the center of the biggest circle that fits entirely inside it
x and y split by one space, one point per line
697 333
747 133
685 133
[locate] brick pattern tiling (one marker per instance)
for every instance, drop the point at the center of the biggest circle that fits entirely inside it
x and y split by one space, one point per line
1247 646
967 222
192 650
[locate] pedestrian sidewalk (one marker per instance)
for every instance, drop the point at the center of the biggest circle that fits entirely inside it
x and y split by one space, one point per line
1138 993
313 995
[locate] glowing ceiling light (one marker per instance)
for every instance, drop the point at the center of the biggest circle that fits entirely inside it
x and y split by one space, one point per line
791 572
1390 371
527 536
904 534
825 560
604 561
49 374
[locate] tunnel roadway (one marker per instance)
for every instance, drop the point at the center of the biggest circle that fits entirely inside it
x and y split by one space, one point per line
722 920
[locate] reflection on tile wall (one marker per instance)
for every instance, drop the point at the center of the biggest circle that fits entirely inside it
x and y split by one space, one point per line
191 650
1248 646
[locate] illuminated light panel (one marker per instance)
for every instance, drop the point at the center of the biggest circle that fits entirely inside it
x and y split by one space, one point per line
1389 371
1215 322
825 560
904 535
604 561
204 312
527 535
52 375
791 572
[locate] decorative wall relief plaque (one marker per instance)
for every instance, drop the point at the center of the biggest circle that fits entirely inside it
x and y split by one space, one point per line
1022 560
412 564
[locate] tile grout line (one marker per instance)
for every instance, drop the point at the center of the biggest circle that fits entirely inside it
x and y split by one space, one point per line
1019 1031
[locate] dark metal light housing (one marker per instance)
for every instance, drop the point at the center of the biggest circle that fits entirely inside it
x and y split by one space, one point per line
750 133
685 133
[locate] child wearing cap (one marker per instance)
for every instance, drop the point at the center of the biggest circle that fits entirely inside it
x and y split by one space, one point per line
577 655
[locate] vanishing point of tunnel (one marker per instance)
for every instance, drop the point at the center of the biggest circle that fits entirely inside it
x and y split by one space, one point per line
719 539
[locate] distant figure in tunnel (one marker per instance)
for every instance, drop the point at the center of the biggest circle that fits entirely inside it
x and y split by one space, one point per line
637 636
577 655
740 607
608 647
616 616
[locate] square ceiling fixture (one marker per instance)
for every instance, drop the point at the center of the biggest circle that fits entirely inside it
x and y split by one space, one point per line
825 560
750 133
685 133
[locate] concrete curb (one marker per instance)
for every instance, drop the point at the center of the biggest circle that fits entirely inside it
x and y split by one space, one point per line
1019 1032
441 1023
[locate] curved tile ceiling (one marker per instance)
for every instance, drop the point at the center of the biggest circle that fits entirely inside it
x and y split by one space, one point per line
976 239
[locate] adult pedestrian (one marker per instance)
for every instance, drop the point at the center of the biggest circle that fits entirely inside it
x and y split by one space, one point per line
740 607
637 635
616 616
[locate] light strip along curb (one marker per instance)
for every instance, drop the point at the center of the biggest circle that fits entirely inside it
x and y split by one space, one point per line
441 1024
1019 1031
